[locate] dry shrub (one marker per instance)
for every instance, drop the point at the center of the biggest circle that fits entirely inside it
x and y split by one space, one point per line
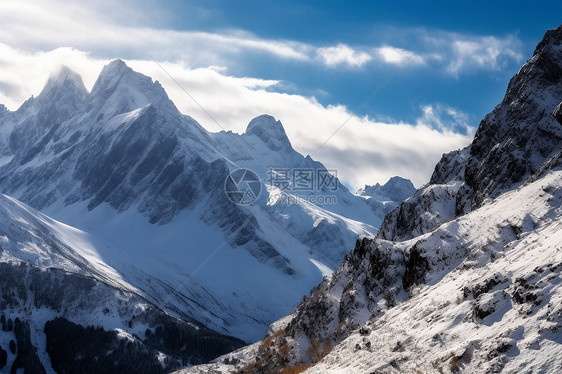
249 369
283 350
454 364
269 340
318 350
299 368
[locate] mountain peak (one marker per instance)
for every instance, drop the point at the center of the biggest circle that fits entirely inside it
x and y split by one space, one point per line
111 74
514 140
115 68
64 79
64 74
121 89
270 131
552 37
117 63
396 189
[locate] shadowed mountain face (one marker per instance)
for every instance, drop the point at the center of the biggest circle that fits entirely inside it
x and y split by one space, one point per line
522 132
464 273
108 146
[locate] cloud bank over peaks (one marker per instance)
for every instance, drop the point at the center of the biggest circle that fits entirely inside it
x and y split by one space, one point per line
364 151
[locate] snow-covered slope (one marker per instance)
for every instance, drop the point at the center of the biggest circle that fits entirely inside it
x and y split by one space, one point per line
50 270
482 293
464 274
490 297
147 184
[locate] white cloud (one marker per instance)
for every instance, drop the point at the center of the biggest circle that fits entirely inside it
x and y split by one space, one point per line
37 25
342 55
487 53
461 54
398 56
445 118
23 74
54 23
450 52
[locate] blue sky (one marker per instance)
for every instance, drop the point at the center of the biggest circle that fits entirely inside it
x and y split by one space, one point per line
431 69
365 24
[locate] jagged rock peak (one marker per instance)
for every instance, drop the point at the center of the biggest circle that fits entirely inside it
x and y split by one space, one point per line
117 73
451 167
114 68
552 37
270 131
64 79
396 189
522 132
120 89
111 74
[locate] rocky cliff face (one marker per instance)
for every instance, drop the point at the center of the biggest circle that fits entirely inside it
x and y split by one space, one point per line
512 143
430 205
522 132
464 274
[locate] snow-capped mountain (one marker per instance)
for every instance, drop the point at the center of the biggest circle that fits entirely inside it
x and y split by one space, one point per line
464 274
383 199
147 184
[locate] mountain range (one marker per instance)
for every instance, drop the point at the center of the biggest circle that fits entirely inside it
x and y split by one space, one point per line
463 275
134 240
117 220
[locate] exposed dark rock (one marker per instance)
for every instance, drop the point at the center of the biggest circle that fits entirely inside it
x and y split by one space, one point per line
3 357
520 126
522 292
481 311
57 290
451 167
416 267
482 288
27 358
95 350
